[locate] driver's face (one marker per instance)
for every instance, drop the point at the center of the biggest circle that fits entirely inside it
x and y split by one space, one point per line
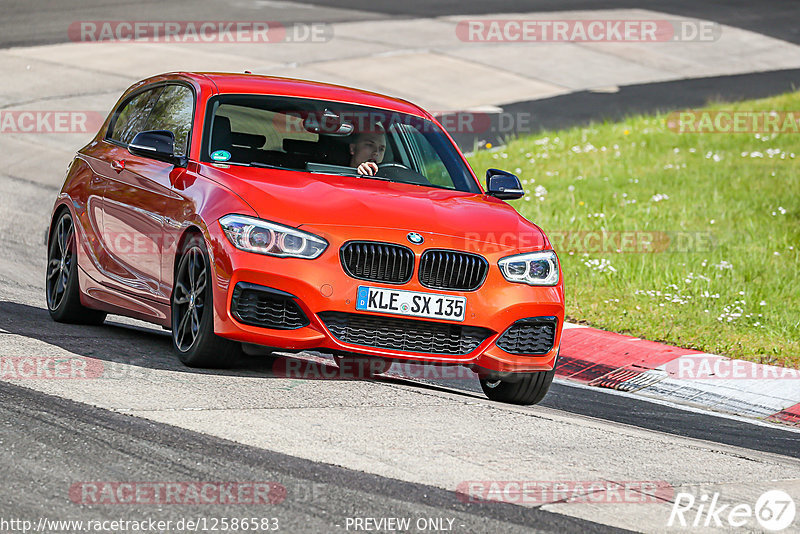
368 147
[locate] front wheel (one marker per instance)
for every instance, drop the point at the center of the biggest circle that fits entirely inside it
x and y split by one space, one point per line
519 388
192 302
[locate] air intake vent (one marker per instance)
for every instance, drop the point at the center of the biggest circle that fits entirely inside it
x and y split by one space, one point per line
404 334
450 269
377 262
266 307
534 335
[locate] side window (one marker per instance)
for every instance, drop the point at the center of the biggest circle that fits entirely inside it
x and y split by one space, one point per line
173 112
426 158
133 115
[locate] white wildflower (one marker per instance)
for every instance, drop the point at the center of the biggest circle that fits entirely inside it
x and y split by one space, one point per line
600 265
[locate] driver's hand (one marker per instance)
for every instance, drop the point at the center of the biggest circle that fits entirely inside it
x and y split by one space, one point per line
368 168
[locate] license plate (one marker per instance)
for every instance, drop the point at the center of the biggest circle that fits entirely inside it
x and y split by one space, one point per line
413 303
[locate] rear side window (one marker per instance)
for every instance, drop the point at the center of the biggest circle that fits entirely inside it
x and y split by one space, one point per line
132 116
173 112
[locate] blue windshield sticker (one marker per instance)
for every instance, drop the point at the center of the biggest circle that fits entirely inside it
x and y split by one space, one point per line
220 155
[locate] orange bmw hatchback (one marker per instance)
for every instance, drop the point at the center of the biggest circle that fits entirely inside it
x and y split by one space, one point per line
235 208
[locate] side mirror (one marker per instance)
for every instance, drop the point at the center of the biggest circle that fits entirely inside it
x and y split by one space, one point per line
503 185
156 144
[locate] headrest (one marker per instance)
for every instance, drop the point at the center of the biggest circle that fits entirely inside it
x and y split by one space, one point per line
221 133
248 140
298 146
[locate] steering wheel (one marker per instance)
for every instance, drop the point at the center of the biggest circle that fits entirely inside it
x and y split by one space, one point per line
400 173
392 165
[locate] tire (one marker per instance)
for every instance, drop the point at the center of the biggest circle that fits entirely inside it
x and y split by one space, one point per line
522 388
192 310
358 366
62 290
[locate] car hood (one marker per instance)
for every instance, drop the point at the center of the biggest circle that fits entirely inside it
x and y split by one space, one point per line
320 200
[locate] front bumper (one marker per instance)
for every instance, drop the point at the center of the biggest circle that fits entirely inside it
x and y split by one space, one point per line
321 285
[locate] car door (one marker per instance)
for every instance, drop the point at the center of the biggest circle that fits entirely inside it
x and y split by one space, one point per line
139 191
102 158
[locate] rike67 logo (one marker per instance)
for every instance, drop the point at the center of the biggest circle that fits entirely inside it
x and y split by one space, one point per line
773 511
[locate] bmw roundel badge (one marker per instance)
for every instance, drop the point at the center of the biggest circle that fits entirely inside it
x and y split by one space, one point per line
415 238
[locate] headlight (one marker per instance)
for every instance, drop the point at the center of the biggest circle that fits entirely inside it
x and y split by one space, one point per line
534 268
264 237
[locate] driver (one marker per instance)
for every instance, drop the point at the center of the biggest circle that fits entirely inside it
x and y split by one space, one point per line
367 150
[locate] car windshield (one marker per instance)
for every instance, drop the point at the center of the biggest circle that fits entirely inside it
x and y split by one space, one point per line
332 138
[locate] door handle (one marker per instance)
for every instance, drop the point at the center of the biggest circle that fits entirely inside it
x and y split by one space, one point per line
118 164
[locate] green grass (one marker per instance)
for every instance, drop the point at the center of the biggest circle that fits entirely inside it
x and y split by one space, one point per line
738 294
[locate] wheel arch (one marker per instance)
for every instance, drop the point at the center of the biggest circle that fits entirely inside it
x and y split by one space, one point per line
188 232
58 209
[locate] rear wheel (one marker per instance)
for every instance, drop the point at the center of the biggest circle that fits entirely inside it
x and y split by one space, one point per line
61 284
519 388
193 311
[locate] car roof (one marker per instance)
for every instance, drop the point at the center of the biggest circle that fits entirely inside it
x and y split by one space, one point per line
235 83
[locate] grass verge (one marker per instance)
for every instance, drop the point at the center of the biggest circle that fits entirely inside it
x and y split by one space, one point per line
707 225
